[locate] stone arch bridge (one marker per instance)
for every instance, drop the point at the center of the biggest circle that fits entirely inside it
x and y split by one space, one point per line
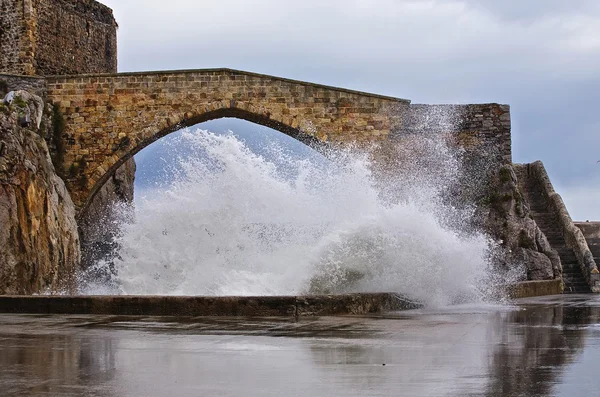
110 117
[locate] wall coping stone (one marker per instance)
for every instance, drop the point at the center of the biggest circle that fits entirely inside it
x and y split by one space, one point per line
22 76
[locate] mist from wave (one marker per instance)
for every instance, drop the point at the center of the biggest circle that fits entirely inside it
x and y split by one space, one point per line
234 222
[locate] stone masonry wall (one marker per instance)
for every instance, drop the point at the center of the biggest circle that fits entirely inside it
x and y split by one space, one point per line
14 58
74 36
483 129
58 37
46 37
34 85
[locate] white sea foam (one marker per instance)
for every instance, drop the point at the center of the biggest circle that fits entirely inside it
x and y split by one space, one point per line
237 223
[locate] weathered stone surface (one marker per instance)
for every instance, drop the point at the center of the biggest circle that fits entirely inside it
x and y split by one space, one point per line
111 117
483 129
39 242
52 37
33 84
509 222
331 305
574 238
28 106
591 232
539 265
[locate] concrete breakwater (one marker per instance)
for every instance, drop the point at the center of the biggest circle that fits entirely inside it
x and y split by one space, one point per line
259 306
243 306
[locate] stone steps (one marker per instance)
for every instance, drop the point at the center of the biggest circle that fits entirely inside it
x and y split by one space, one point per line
547 221
594 244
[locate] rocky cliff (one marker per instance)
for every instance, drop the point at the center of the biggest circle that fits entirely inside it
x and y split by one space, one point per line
509 221
39 240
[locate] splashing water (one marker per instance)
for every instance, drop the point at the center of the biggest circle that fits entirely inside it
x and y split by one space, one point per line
237 223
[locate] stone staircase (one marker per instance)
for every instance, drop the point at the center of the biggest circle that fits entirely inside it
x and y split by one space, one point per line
547 221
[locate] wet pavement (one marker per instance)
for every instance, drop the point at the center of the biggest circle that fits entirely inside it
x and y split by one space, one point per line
538 347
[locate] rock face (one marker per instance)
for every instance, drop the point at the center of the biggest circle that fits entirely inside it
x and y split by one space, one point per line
39 241
99 224
509 221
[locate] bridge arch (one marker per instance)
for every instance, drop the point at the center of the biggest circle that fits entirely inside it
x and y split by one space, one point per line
128 151
109 117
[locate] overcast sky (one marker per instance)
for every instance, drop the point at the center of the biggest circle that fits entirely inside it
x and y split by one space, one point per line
540 56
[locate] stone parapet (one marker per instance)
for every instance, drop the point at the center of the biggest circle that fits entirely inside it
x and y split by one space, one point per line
34 85
590 229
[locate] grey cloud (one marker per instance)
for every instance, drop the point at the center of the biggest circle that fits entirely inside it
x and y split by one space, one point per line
531 9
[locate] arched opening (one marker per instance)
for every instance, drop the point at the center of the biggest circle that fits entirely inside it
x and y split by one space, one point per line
157 163
262 120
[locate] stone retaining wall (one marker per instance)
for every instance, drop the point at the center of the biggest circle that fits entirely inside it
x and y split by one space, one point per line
589 229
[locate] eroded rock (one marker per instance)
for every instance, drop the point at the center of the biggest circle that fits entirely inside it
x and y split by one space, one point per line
39 241
28 107
509 222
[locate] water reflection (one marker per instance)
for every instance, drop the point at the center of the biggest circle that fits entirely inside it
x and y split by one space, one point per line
52 364
536 346
525 351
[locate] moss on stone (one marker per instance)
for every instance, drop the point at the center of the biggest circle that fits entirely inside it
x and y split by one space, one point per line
19 102
82 181
504 175
73 170
507 197
519 205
